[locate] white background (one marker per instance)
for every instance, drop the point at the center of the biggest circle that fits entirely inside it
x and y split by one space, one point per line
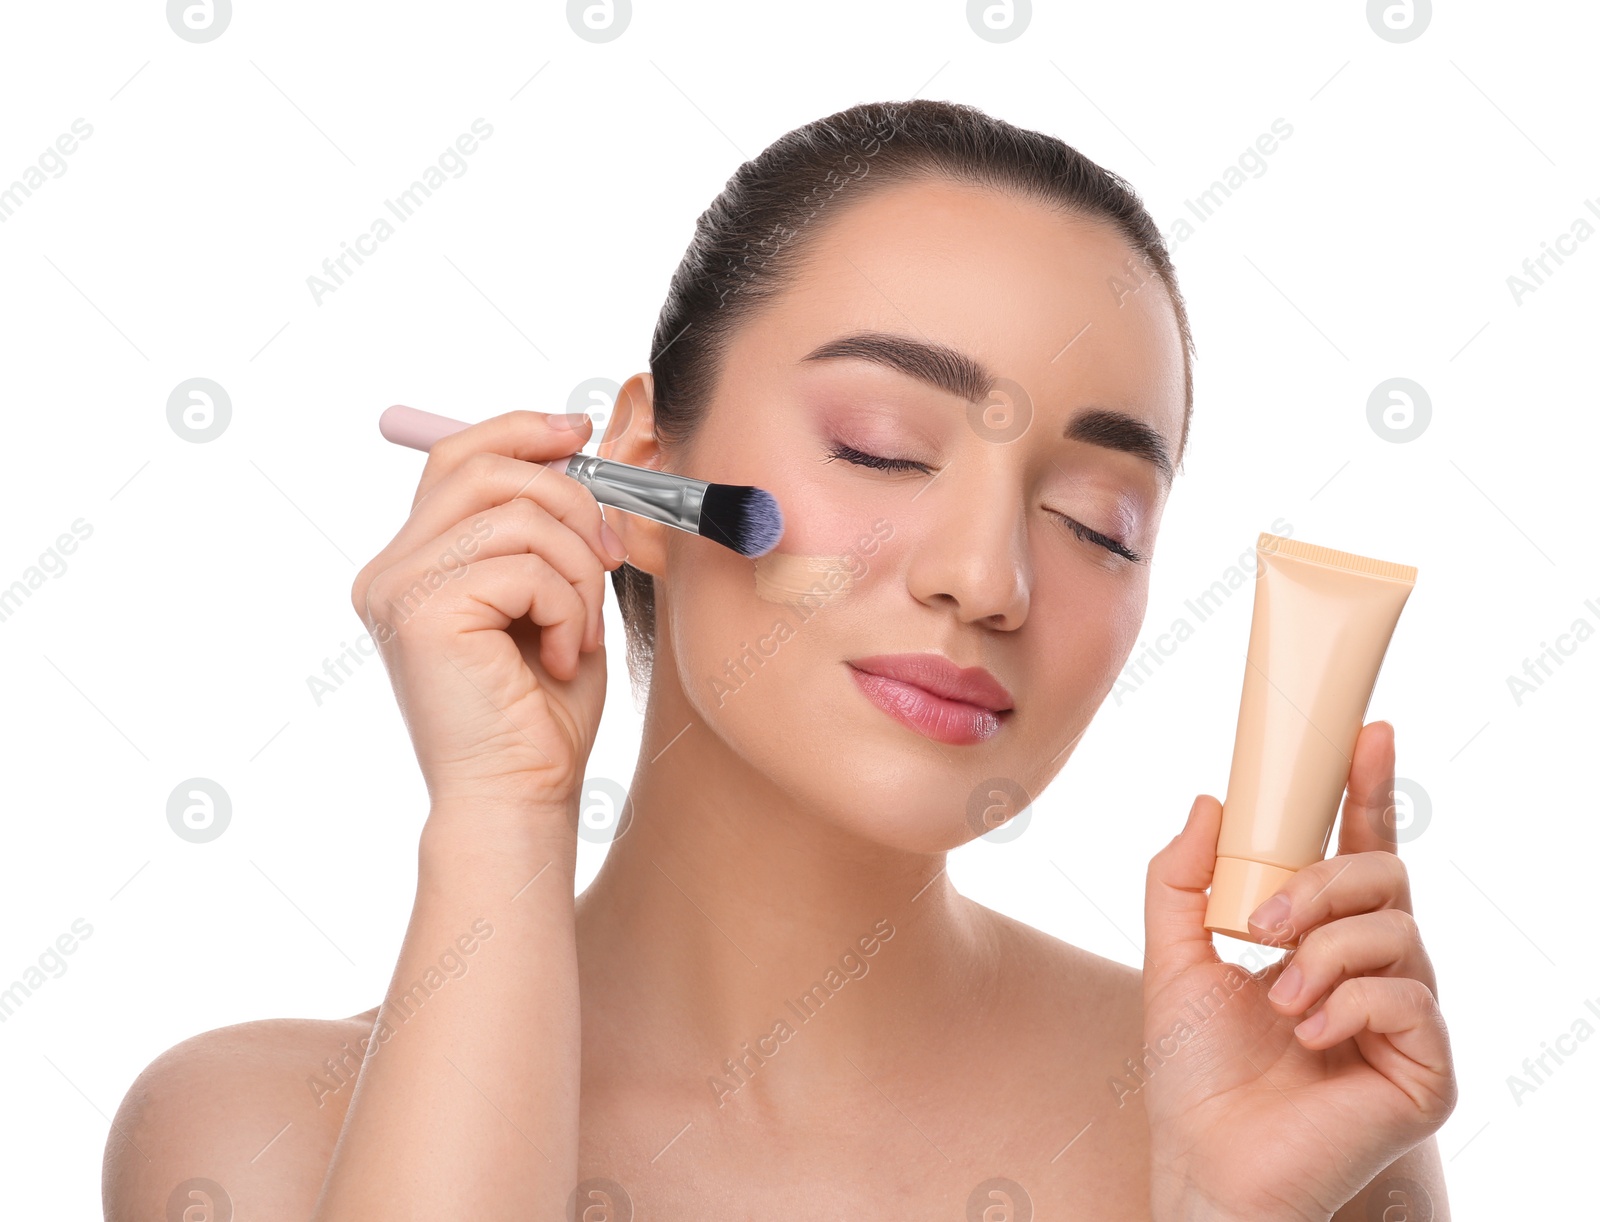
178 642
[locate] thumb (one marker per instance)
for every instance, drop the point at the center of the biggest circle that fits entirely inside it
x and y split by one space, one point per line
1176 939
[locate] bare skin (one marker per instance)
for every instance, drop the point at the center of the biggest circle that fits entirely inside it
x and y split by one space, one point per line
781 820
1014 1090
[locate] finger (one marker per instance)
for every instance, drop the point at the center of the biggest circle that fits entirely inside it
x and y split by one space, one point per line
1368 821
492 593
522 525
480 482
493 479
1383 943
1175 897
1402 1010
1327 890
526 435
525 524
518 526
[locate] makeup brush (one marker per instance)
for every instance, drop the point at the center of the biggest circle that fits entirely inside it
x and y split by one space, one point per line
737 516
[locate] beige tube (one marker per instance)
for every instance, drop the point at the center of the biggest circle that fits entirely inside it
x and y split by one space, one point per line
1321 624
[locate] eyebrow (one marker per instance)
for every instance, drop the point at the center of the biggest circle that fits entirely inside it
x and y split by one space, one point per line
959 374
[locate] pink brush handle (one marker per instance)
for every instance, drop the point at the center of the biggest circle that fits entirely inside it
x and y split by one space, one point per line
411 426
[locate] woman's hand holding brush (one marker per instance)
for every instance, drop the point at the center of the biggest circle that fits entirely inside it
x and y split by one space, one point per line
487 608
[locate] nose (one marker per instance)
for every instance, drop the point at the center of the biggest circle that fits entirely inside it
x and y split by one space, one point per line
973 554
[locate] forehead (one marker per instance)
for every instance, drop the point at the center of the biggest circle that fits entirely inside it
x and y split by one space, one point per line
1060 304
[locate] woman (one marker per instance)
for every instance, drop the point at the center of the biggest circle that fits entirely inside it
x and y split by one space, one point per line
956 353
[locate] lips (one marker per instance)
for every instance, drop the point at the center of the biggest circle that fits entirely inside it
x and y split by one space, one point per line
931 695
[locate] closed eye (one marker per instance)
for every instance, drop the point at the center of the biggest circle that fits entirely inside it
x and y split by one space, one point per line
852 455
862 459
1094 536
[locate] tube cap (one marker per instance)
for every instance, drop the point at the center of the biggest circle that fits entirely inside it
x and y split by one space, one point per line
1238 887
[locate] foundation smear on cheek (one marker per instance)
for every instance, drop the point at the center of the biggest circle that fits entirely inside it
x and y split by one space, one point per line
782 577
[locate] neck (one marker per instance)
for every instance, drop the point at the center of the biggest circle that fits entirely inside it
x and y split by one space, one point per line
726 911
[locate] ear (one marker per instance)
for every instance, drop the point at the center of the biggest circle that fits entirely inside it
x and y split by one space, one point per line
630 437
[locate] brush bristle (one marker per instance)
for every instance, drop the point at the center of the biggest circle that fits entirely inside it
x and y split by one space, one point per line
741 517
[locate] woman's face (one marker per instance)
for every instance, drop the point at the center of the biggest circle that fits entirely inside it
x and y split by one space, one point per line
1022 323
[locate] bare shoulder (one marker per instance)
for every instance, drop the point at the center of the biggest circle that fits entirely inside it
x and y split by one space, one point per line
1071 1036
250 1112
1057 975
1079 1013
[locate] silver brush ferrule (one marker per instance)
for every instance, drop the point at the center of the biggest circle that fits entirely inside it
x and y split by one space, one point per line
658 495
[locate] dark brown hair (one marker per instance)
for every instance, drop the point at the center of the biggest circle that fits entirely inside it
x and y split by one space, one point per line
746 245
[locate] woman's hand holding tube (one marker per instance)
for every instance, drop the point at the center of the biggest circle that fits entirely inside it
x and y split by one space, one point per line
1281 1094
487 608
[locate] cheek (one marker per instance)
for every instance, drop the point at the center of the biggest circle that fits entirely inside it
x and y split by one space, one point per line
827 507
760 638
833 530
710 614
1087 627
722 605
825 572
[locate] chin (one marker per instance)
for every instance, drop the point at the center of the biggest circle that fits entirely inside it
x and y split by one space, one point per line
914 814
879 784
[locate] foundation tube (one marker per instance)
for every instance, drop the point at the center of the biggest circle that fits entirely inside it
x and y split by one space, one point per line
1318 632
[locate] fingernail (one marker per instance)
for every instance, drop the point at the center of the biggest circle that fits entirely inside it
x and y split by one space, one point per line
569 420
613 542
1272 913
1287 984
1312 1027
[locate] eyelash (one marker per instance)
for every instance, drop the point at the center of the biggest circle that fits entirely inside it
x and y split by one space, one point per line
861 459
